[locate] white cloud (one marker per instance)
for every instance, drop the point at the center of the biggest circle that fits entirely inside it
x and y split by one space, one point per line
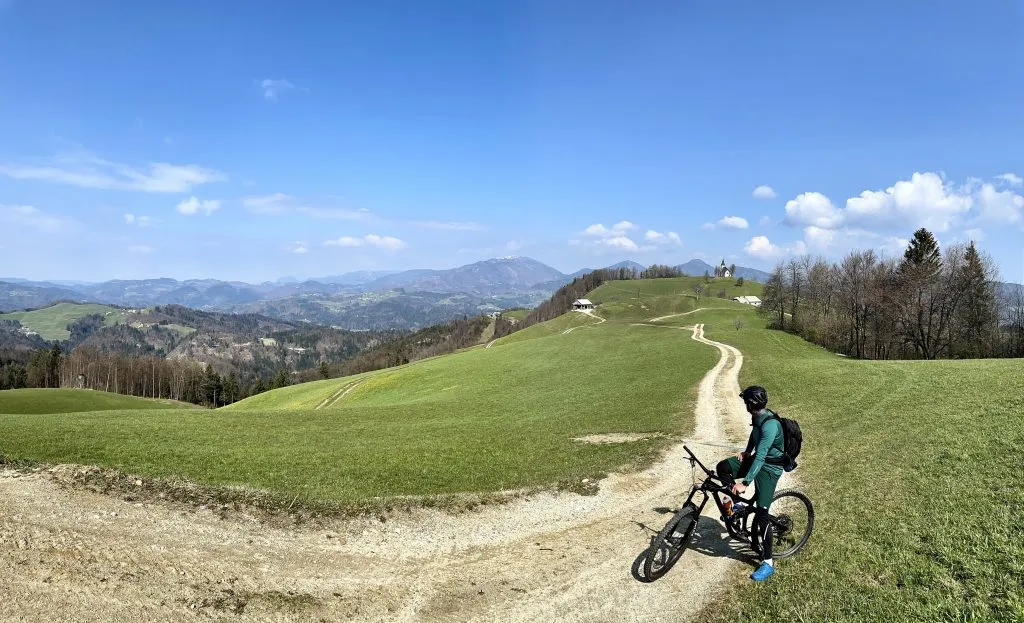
622 227
819 238
30 216
708 226
384 242
273 88
761 248
620 242
596 229
279 204
139 220
999 206
975 234
814 209
669 237
373 240
298 247
1011 179
88 171
193 205
925 200
140 249
733 222
766 221
451 225
764 192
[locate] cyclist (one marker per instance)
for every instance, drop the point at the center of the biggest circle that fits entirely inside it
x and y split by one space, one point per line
755 465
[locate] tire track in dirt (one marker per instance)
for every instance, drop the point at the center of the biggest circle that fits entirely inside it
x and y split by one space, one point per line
74 555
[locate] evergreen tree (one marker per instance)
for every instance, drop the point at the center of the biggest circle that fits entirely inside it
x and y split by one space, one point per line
325 370
231 391
923 251
978 313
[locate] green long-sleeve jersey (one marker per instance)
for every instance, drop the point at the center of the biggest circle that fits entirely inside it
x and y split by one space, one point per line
766 441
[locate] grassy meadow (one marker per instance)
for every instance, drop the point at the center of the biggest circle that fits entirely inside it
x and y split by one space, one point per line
51 323
912 465
476 421
47 401
913 469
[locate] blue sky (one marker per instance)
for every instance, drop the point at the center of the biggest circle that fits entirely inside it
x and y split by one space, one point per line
253 140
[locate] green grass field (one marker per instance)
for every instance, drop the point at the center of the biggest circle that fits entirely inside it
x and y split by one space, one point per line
51 322
476 421
912 465
517 314
40 401
913 469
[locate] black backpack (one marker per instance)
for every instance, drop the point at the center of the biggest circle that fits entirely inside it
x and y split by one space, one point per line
792 439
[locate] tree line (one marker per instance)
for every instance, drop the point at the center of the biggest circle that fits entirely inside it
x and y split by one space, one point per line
928 304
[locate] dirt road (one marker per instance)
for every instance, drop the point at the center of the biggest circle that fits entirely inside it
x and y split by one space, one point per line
72 555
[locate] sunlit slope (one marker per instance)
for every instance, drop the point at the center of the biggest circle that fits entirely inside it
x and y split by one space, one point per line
910 466
475 421
76 400
51 323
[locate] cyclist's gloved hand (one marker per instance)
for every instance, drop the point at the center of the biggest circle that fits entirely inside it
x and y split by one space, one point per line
739 488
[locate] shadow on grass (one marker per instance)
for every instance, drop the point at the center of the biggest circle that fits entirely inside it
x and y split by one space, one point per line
709 539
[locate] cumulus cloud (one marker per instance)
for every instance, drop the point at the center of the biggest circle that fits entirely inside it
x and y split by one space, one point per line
298 248
193 205
764 192
733 222
669 237
1011 179
975 234
999 206
761 248
86 170
813 209
925 200
619 242
373 240
618 237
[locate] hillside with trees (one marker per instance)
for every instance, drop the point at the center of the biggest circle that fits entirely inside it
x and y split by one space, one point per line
928 304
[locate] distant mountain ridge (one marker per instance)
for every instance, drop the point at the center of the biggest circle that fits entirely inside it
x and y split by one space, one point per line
333 299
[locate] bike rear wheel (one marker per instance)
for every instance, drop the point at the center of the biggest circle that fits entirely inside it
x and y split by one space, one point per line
670 543
794 515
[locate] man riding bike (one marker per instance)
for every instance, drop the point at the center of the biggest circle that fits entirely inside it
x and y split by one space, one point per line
761 464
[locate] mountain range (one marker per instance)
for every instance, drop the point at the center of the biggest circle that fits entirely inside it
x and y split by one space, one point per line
355 300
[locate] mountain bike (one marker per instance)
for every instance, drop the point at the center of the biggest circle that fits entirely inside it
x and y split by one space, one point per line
791 516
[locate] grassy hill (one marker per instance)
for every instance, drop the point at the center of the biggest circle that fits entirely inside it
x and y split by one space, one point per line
51 322
452 424
916 485
41 401
918 503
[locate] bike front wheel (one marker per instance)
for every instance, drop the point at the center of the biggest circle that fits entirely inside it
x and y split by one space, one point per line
670 543
794 521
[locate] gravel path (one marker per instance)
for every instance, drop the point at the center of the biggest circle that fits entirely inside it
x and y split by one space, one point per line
72 555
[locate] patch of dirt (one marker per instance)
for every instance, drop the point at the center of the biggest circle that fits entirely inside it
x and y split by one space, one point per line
73 548
606 438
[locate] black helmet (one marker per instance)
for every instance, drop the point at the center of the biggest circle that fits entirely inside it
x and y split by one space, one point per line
755 397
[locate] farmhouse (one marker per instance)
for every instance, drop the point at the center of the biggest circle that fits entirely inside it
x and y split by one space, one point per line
749 300
582 304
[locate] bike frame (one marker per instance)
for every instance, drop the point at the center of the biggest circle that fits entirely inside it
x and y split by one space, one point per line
710 488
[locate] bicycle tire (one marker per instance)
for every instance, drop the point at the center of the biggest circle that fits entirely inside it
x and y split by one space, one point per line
795 542
671 542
